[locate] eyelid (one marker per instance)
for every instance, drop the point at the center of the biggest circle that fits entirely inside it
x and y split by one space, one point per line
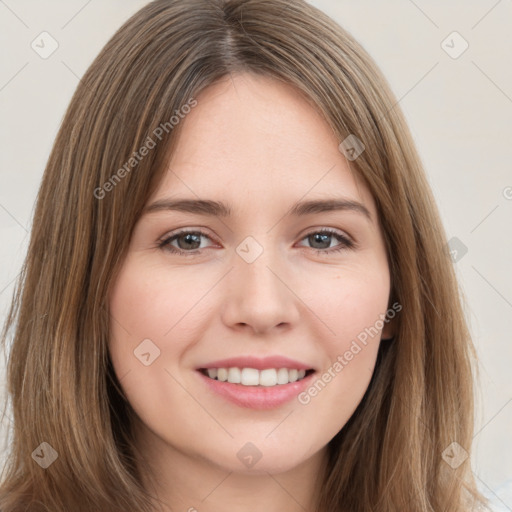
345 240
164 240
331 230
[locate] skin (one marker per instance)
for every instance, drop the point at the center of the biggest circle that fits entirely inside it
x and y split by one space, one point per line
259 146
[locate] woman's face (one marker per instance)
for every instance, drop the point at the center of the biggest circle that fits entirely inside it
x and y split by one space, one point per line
255 295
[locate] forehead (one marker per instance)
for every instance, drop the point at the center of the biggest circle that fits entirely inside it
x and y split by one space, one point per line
253 138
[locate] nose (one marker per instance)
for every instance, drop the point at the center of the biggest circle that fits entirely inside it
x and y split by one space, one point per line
259 295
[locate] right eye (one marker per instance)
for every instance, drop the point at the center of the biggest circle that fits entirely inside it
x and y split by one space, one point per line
185 239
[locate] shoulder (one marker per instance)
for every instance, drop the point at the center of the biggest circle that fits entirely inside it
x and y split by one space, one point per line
500 498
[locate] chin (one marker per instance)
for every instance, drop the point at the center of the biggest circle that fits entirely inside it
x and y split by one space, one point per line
260 456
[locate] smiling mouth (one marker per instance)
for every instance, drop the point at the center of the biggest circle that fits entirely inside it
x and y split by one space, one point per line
253 377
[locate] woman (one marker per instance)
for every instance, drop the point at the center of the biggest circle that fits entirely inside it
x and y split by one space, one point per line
149 375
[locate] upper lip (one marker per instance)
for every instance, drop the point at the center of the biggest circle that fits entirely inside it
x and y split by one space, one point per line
259 363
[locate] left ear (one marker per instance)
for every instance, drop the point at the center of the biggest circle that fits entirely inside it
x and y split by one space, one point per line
389 330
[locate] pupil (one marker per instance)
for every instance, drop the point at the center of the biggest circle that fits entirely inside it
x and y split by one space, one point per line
322 238
188 237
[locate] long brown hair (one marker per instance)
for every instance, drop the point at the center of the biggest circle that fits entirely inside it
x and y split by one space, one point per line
391 454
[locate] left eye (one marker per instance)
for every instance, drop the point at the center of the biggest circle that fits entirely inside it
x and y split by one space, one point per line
189 242
323 236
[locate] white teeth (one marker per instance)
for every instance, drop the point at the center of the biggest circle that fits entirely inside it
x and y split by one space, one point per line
234 375
253 377
268 377
282 376
250 377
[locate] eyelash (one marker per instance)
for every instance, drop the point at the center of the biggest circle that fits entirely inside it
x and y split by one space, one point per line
346 243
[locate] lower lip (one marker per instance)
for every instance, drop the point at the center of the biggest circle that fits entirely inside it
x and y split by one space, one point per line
257 397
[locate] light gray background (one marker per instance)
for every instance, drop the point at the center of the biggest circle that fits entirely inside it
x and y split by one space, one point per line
459 110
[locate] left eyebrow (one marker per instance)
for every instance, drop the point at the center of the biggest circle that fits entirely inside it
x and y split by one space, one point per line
220 209
328 205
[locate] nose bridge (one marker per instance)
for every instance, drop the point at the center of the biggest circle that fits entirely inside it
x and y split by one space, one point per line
258 294
256 265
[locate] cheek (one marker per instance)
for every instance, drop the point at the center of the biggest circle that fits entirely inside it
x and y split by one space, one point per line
137 322
353 312
145 303
154 317
143 309
351 305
